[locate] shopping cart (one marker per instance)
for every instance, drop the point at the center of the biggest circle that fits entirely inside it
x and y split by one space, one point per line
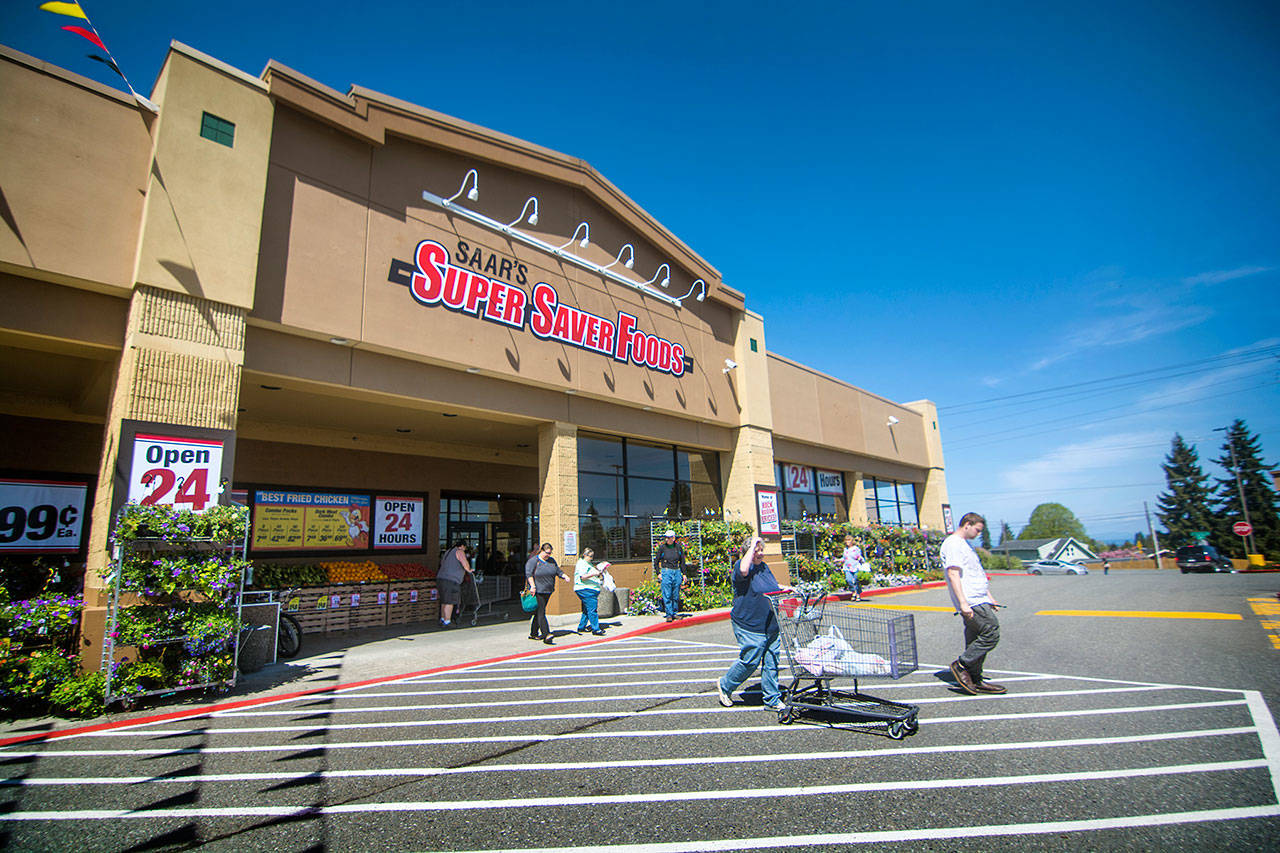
489 590
827 641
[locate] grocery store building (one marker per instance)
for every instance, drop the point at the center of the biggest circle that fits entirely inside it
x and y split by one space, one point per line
374 312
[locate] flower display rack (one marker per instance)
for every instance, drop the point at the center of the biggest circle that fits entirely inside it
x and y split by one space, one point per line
173 617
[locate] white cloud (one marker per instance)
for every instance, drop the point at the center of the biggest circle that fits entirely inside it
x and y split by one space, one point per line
1219 276
1190 390
1124 328
1074 465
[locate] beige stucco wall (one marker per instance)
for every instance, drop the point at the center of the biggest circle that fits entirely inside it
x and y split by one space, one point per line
203 208
73 169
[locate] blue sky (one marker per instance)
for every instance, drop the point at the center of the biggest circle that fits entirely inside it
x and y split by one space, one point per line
959 202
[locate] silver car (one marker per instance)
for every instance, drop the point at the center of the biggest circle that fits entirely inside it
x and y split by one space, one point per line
1055 567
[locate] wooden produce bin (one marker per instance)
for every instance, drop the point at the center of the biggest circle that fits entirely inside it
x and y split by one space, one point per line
412 601
313 608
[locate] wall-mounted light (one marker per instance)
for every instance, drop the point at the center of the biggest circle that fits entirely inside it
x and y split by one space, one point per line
729 364
631 261
473 370
701 296
512 232
475 187
533 217
892 421
586 237
665 280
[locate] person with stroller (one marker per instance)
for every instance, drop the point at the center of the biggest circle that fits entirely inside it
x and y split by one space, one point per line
756 628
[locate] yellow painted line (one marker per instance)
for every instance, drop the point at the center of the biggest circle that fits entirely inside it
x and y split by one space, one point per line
1144 614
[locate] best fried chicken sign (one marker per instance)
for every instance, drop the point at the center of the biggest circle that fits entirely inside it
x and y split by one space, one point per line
435 280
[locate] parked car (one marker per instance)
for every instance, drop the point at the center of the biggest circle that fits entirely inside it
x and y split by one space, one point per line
1201 558
1055 567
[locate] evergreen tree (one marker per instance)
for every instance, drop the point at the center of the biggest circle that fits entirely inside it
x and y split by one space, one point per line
1259 495
986 537
1186 506
1006 535
1049 521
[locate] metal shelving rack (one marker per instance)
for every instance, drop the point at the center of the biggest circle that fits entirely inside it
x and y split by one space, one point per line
692 535
120 553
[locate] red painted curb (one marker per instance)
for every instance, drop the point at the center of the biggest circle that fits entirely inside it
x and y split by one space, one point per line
334 688
699 619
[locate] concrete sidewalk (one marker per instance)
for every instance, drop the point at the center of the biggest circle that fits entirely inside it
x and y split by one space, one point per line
331 661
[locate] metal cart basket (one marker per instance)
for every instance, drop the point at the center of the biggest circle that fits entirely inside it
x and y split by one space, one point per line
825 641
490 590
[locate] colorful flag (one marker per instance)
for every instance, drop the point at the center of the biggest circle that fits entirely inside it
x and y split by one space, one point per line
71 10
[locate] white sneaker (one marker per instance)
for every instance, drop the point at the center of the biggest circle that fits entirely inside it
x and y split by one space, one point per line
776 706
726 699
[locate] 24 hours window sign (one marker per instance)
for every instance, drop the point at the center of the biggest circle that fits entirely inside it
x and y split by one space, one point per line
434 279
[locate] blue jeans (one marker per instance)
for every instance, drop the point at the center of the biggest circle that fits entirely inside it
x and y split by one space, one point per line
671 580
590 605
755 650
851 582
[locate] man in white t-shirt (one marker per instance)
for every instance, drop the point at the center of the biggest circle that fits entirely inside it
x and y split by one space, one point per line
970 593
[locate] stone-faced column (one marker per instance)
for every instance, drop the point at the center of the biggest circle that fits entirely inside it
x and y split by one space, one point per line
558 503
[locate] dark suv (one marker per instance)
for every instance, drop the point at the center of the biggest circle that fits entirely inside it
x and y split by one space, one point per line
1201 558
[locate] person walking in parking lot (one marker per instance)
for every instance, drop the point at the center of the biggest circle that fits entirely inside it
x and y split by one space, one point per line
756 629
669 557
540 575
587 580
970 594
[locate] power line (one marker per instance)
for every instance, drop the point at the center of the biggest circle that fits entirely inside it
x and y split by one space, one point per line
988 439
1247 356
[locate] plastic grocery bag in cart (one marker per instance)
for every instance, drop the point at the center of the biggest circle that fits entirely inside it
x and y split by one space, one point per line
830 654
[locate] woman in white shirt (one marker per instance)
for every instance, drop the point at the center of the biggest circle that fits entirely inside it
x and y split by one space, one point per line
586 583
852 563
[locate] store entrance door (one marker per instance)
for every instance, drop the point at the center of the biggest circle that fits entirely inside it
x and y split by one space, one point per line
472 533
509 551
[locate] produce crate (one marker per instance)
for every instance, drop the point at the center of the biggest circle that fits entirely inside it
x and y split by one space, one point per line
412 601
313 609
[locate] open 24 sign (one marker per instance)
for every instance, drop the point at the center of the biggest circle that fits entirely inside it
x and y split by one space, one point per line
175 471
397 522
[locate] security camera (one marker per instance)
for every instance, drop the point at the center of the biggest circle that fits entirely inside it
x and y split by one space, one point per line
892 420
729 364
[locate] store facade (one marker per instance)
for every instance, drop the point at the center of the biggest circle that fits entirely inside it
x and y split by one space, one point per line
397 324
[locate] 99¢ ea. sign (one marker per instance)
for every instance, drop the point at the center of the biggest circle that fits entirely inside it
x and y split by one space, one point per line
175 471
42 516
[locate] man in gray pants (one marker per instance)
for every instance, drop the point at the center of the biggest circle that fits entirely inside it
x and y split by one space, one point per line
967 582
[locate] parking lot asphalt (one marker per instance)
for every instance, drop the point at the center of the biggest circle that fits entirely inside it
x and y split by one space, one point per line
1129 724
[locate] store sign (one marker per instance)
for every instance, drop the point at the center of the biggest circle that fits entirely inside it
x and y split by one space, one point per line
947 524
436 280
42 516
770 523
303 521
175 471
797 478
397 522
830 482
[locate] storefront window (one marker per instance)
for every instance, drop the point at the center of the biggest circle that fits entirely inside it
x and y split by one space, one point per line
623 485
801 492
890 502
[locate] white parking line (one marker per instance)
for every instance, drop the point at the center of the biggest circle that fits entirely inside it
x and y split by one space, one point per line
557 766
631 799
627 735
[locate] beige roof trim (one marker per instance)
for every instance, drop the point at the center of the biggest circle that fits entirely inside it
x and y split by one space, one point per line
830 378
370 115
71 77
217 64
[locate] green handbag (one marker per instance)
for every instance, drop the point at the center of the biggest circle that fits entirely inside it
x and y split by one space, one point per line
528 601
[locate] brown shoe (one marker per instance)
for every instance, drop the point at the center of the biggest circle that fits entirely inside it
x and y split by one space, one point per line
962 677
990 687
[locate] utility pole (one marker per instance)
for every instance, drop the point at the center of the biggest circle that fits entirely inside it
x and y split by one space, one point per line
1244 508
1155 540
